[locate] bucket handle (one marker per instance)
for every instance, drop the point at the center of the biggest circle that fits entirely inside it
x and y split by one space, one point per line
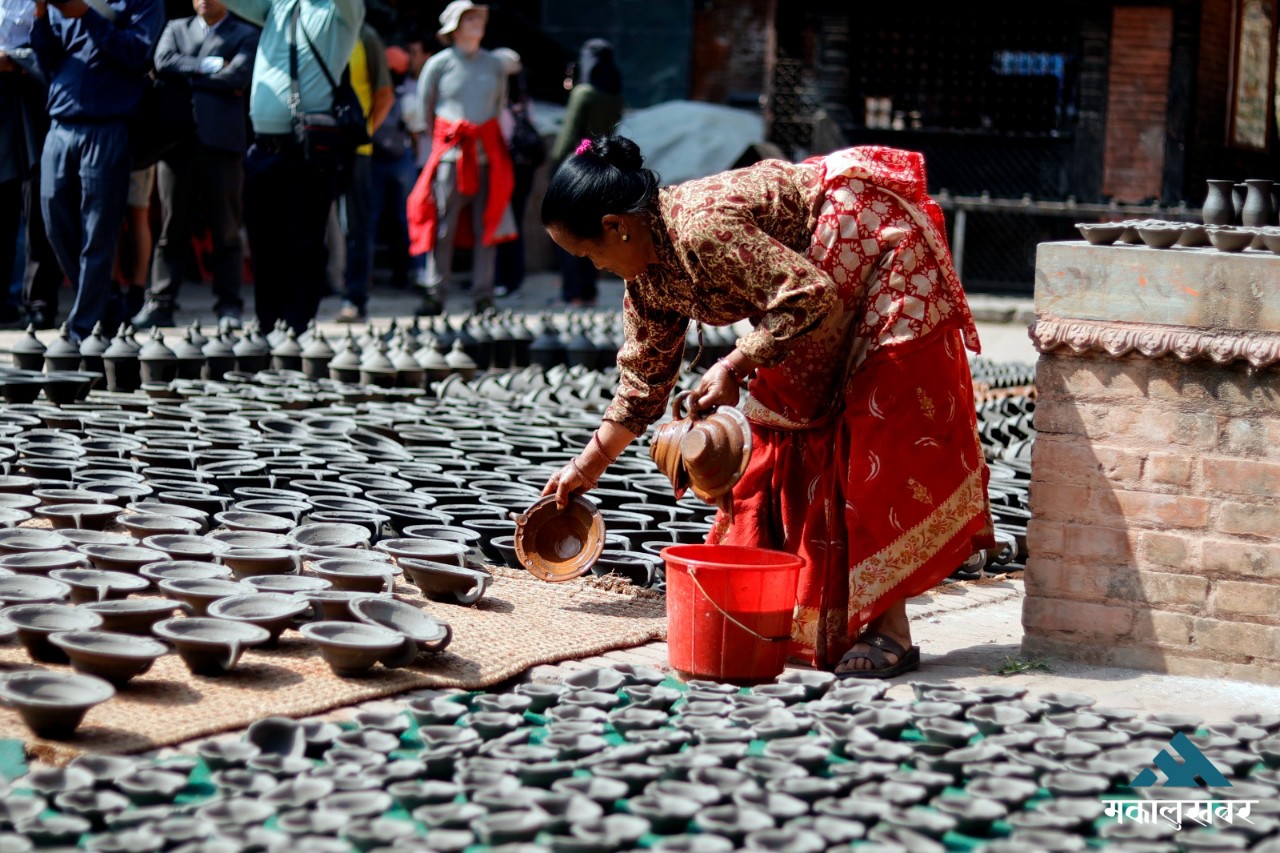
693 576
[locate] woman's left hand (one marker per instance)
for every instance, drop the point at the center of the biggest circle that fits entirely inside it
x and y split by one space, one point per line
717 388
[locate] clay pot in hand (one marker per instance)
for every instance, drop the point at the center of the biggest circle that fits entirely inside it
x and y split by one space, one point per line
559 545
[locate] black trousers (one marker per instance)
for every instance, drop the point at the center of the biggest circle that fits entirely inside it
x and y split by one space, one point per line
287 203
42 277
198 180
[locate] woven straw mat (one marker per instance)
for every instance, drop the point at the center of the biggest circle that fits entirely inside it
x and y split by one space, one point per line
520 623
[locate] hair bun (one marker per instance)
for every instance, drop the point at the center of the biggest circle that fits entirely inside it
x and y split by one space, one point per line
620 152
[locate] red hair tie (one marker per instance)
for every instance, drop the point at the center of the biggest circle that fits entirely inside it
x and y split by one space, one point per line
583 147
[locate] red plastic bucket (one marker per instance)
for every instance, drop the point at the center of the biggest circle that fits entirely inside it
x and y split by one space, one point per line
729 611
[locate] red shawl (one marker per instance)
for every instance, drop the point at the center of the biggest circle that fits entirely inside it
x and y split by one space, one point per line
421 209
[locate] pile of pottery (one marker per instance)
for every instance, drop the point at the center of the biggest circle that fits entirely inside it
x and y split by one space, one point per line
1159 234
617 759
1235 217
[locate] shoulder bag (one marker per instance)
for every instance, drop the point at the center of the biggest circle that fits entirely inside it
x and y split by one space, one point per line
327 139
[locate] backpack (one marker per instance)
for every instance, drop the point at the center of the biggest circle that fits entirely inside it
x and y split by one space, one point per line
528 149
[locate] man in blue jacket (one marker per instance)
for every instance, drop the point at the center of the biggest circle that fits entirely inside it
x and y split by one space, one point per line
214 52
96 56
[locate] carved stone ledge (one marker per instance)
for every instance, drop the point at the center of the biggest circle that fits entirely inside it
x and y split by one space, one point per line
1259 349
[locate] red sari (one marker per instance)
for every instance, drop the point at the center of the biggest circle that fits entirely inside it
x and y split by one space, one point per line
866 458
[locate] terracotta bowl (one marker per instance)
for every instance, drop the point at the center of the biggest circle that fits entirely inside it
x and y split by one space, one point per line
53 704
210 646
113 657
199 593
1100 233
135 615
37 622
96 585
559 545
351 648
269 610
444 582
357 575
1227 239
431 634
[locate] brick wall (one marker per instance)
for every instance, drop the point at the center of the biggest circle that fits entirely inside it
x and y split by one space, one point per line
1156 529
1137 102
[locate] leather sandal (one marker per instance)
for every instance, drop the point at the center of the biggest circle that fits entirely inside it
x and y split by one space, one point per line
908 659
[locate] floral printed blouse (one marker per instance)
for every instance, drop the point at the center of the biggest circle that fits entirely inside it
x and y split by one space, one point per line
730 247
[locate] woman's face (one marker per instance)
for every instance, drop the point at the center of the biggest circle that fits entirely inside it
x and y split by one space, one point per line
609 252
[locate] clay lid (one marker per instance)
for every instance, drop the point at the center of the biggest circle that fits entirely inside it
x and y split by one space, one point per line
196 335
155 349
375 359
347 358
122 347
218 347
252 343
28 343
430 357
458 358
96 344
187 349
63 345
557 545
318 347
289 347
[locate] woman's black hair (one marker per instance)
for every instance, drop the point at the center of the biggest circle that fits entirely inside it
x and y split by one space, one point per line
608 177
597 66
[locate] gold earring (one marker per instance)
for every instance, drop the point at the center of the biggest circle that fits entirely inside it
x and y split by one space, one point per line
626 237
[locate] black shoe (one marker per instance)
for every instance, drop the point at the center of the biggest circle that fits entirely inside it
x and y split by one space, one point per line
153 314
229 318
482 305
40 318
429 307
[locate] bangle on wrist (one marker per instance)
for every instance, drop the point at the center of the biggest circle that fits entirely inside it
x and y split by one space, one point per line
599 446
587 482
733 373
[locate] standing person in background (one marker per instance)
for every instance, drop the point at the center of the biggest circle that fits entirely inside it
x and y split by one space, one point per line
214 53
23 126
96 59
133 252
394 172
528 152
411 111
462 91
595 108
287 197
372 83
